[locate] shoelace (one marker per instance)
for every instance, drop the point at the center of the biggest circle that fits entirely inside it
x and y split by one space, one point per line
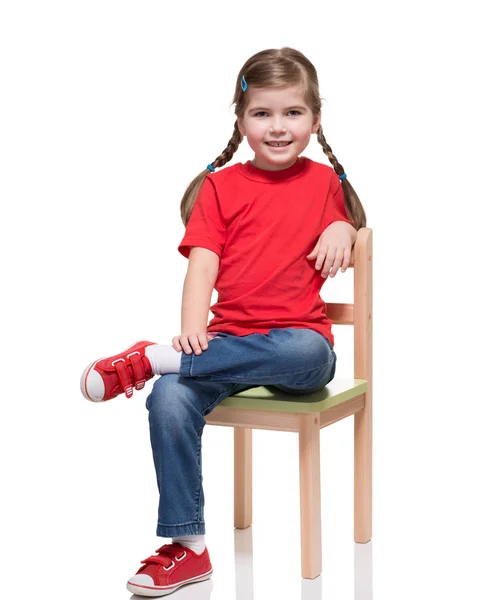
165 555
138 372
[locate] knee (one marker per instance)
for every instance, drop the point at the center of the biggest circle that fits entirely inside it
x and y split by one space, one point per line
165 399
310 346
318 345
172 408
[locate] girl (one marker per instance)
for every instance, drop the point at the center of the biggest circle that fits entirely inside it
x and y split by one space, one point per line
265 234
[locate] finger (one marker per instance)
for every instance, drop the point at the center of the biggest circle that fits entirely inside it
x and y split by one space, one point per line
337 262
175 344
195 343
347 256
186 345
203 340
310 255
330 259
321 257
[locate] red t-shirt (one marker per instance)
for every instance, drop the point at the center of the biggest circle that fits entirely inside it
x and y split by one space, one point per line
263 224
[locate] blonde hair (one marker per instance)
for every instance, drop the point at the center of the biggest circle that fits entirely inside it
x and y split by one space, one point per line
271 69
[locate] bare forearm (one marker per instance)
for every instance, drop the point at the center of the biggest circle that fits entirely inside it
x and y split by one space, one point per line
195 306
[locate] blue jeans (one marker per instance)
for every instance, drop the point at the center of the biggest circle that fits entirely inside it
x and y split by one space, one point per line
296 361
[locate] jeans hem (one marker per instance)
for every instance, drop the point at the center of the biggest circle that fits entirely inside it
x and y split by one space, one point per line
196 528
186 365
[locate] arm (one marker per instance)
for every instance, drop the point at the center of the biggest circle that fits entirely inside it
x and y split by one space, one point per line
198 287
334 245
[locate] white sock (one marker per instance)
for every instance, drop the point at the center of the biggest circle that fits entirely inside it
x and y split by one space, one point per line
163 359
193 542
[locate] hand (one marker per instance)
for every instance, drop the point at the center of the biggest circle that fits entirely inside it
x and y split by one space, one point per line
334 247
191 341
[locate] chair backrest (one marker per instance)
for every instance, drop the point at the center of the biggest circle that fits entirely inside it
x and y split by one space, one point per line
359 314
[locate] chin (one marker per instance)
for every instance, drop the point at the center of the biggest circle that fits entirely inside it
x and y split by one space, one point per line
281 159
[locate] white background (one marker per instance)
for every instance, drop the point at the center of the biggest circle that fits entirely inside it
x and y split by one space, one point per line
108 111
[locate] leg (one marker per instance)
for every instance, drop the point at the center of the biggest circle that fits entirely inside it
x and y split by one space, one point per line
176 417
295 360
310 495
177 407
363 472
242 485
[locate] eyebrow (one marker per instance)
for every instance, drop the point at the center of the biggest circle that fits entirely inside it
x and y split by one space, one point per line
263 108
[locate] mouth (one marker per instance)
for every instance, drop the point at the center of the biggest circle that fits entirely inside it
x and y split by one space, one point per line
278 144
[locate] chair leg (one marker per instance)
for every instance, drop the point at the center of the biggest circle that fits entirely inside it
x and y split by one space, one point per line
242 497
310 491
363 474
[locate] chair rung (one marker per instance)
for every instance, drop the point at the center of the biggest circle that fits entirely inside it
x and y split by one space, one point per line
340 314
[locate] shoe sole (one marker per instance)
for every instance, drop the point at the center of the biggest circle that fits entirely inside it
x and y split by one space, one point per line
146 590
83 379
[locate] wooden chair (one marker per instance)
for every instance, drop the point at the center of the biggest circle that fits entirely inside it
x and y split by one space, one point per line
264 408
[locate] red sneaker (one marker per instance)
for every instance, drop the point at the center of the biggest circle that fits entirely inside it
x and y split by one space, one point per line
106 378
172 567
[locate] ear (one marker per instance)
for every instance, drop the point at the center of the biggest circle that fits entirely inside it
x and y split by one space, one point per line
316 123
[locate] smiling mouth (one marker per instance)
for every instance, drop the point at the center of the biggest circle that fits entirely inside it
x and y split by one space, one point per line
278 144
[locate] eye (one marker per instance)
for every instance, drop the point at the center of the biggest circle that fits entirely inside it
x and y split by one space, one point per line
263 112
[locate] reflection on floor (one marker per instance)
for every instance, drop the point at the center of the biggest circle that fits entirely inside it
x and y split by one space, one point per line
311 589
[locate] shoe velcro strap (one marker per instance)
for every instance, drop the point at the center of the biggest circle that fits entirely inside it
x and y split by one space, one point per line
139 370
165 561
124 377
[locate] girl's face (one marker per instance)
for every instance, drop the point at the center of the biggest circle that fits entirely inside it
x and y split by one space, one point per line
277 115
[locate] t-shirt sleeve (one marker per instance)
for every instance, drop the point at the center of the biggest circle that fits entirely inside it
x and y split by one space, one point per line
335 205
205 227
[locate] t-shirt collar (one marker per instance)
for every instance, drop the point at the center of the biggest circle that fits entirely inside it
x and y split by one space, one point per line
251 172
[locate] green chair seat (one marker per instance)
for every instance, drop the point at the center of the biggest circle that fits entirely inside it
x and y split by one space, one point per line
271 398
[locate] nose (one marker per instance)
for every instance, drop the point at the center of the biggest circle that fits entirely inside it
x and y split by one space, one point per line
277 126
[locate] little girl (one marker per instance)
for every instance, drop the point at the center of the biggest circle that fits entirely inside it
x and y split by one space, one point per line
265 234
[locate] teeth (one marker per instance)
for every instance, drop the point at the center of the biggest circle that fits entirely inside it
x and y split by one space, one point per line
278 144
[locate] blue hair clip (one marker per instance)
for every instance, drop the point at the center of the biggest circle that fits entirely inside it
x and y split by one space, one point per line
344 176
243 83
210 167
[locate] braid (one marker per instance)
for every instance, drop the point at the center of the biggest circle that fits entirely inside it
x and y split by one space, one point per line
339 170
353 206
192 191
230 150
